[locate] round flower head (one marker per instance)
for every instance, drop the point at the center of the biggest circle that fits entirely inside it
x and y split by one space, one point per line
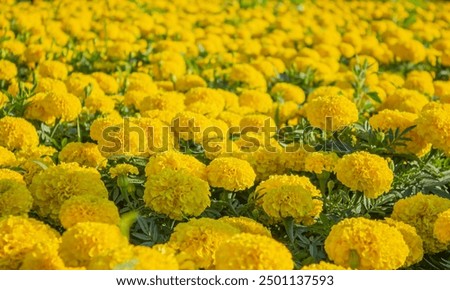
247 225
421 212
53 186
8 174
442 227
85 241
46 85
88 208
172 101
107 83
288 92
8 70
187 82
248 76
433 125
133 258
176 161
258 123
253 252
412 239
100 126
406 101
176 193
323 266
331 112
15 241
259 101
53 69
318 162
17 133
99 103
421 81
205 101
123 169
230 173
393 119
44 256
293 196
3 99
200 238
15 198
364 244
365 172
85 154
190 126
7 158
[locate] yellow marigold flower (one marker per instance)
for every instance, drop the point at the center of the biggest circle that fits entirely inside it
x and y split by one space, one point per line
123 169
15 198
15 242
135 98
53 69
51 106
46 85
191 126
324 266
37 109
205 101
176 161
441 229
421 212
421 81
164 116
167 64
441 90
331 112
433 125
326 91
365 172
172 101
176 193
106 82
43 256
247 225
259 101
13 46
405 100
133 258
187 82
11 175
364 244
34 53
219 147
231 100
3 100
77 83
85 154
230 173
86 240
253 252
231 118
100 126
258 123
100 103
53 186
393 119
284 111
88 208
281 188
7 158
27 160
17 133
409 50
248 76
8 70
199 239
412 240
318 162
289 92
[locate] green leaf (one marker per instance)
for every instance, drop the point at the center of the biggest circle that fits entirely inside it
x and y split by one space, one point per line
374 96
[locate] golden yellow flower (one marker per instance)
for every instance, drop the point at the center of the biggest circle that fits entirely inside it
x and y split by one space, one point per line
420 81
7 158
318 162
365 172
364 244
53 69
248 76
84 241
230 173
44 256
51 187
324 266
199 239
405 100
15 242
441 229
176 193
88 208
85 154
205 101
421 212
106 82
173 101
8 70
259 101
253 252
247 225
123 169
433 125
15 198
17 133
331 112
187 82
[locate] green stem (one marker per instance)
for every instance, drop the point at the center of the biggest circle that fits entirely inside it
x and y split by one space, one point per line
55 129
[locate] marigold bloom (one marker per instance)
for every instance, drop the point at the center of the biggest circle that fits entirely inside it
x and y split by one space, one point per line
246 225
318 162
230 173
323 266
421 212
123 169
365 172
366 244
17 133
15 198
85 154
8 70
433 125
405 100
441 228
7 158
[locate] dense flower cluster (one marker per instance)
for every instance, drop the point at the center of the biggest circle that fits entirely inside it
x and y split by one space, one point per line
224 134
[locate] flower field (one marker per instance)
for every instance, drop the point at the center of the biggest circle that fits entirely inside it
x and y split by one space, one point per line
224 134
